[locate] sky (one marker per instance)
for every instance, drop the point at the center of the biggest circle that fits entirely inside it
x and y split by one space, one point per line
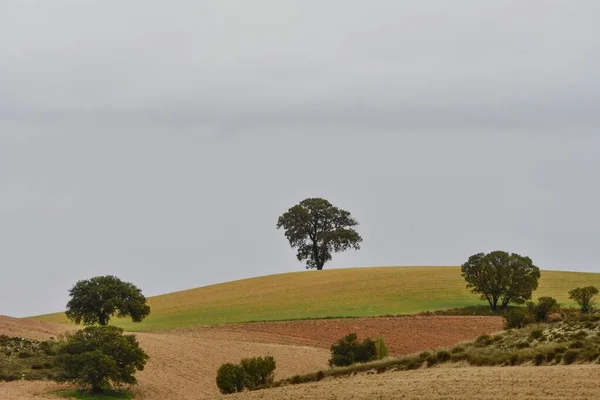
160 141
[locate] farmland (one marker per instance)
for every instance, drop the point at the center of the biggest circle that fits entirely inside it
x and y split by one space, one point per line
352 292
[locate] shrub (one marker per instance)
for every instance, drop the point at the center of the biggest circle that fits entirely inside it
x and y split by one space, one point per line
542 309
349 350
584 297
516 318
230 378
457 350
483 341
99 357
576 345
570 357
560 349
431 361
320 376
539 359
536 334
25 354
522 345
258 371
381 348
558 358
514 359
443 356
550 356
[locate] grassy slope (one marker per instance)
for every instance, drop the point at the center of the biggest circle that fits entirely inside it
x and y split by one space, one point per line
340 292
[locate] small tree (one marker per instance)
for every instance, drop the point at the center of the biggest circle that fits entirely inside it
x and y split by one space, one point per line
258 371
96 300
501 278
99 357
230 378
317 229
542 309
584 297
349 350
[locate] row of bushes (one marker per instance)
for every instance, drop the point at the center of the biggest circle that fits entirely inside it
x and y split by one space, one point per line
349 350
249 373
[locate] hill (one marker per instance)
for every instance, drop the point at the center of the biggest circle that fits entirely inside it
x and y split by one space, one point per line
349 292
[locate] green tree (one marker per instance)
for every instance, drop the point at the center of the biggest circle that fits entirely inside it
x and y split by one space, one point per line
100 357
96 300
542 309
317 229
230 378
501 278
584 297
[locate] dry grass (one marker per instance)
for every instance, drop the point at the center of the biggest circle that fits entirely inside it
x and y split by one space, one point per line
564 382
329 293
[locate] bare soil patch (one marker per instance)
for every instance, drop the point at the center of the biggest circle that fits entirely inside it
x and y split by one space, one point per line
34 330
557 382
403 335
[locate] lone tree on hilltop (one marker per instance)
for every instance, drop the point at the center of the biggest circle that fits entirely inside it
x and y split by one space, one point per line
317 229
501 278
100 357
584 297
96 300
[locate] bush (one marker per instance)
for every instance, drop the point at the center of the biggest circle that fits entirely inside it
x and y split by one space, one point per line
443 356
349 350
536 334
483 341
381 348
584 297
576 345
516 318
25 354
320 376
230 378
570 357
258 371
541 310
457 350
550 356
99 357
539 359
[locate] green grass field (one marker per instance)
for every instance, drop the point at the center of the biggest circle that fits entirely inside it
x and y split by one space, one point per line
329 293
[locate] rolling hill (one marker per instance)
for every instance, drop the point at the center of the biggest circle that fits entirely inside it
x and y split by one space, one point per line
329 293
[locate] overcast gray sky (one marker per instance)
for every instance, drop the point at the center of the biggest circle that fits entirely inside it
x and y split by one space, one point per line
159 141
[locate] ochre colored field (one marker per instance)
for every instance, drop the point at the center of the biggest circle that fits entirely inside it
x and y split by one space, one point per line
329 293
465 383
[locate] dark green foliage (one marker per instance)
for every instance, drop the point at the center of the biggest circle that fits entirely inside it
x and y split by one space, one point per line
501 278
550 356
96 300
522 345
25 354
317 229
230 378
516 318
584 297
458 350
258 371
560 349
576 345
443 356
99 357
539 359
483 341
536 334
570 357
542 309
558 358
349 350
431 361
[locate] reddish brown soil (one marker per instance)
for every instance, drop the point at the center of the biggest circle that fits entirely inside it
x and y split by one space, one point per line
403 335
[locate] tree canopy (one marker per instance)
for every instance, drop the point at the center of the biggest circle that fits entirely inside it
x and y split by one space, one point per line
317 229
96 300
501 278
584 297
100 357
